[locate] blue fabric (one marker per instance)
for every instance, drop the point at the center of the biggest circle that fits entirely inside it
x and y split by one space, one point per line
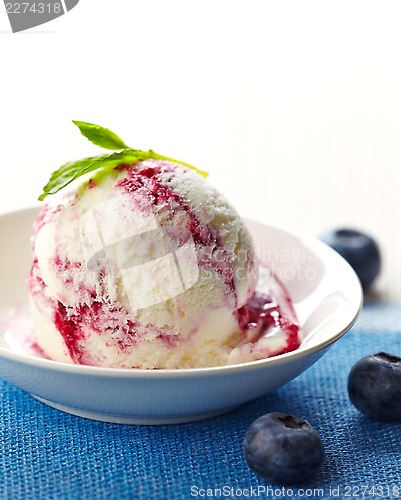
49 454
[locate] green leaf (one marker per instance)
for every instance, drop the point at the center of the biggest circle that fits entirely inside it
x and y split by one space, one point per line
100 136
106 138
72 170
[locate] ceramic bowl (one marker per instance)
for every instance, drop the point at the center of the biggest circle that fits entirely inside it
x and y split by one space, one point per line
327 297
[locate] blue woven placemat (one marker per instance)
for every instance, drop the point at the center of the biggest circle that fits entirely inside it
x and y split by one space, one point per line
48 454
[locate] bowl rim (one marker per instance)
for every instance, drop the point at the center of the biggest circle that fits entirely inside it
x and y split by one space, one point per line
70 368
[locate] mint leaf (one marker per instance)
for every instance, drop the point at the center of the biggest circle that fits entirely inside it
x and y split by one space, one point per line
72 170
100 136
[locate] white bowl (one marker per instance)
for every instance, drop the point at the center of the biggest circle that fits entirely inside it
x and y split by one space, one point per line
327 297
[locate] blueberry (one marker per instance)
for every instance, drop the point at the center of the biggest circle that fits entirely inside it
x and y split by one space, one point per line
359 250
282 448
374 387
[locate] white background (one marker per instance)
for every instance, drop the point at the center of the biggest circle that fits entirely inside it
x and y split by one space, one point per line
293 106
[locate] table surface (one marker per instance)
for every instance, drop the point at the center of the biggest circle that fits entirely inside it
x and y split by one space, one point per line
45 453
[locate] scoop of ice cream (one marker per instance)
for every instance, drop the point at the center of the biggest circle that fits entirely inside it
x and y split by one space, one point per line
145 266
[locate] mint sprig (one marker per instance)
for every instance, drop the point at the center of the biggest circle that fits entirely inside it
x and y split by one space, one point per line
107 139
100 136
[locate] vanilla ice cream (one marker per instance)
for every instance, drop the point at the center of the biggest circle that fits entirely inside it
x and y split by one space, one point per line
148 266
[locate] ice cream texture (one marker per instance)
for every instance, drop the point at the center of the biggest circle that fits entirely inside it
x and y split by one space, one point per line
149 266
